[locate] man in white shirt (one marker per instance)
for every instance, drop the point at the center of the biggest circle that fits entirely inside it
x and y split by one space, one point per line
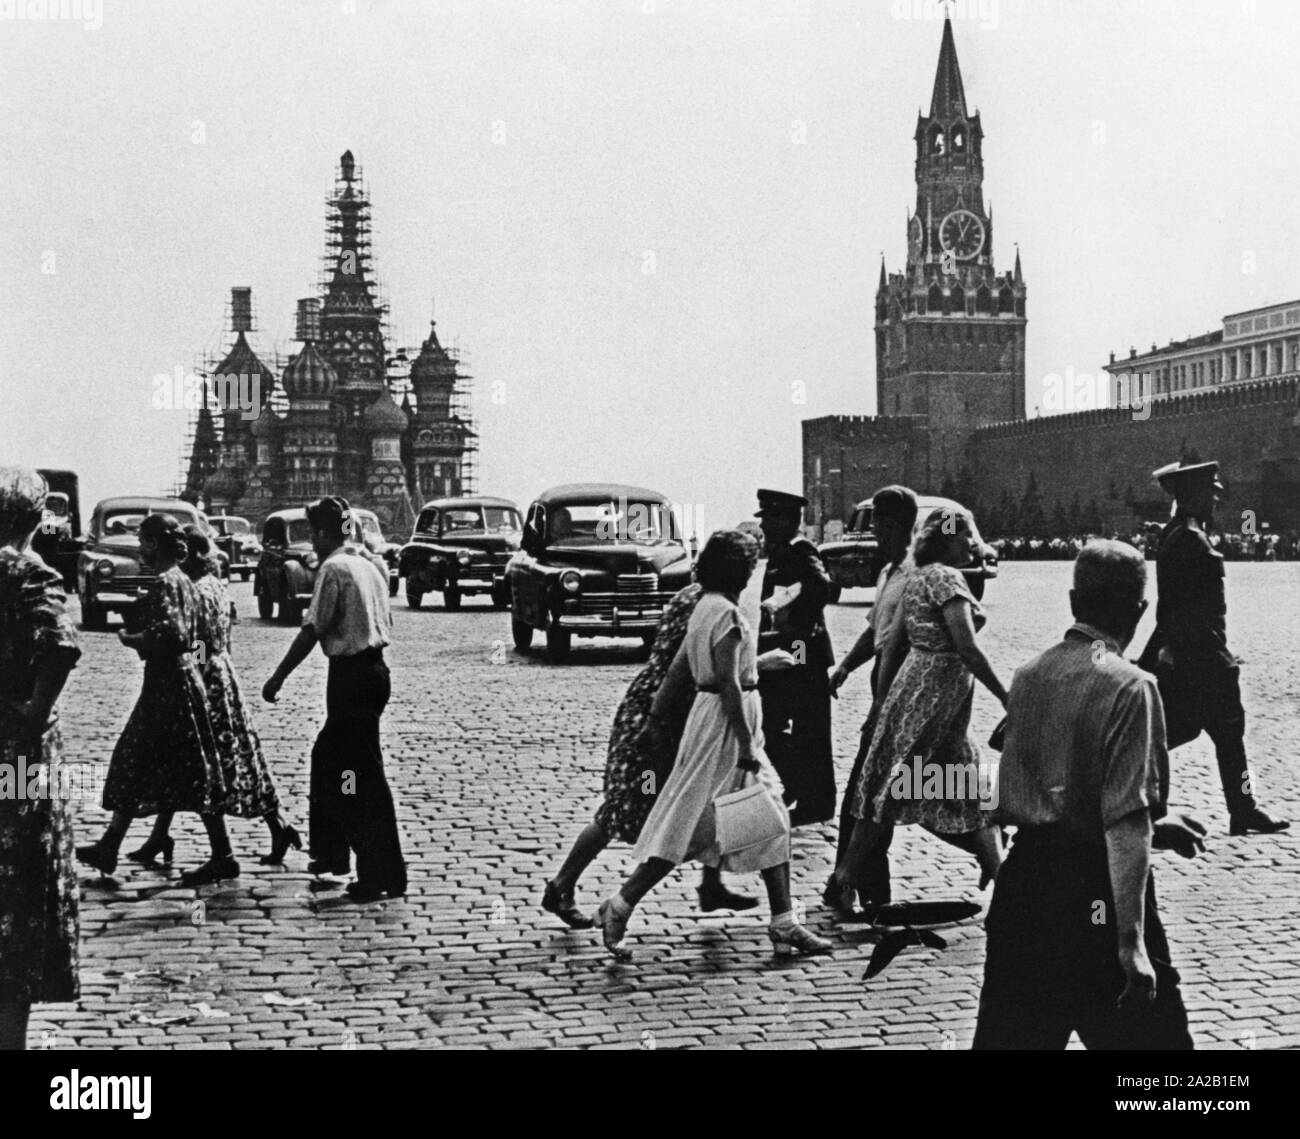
351 804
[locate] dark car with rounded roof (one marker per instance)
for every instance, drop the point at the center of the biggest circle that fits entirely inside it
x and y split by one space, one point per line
110 575
596 560
853 560
461 546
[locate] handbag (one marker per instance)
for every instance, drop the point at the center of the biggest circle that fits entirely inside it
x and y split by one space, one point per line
748 817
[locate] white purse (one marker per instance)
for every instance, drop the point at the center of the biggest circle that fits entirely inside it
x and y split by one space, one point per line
748 817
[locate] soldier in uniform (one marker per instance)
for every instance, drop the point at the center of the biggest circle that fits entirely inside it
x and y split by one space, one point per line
1189 649
796 701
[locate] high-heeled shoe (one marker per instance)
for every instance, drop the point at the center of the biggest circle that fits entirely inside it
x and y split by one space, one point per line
284 838
214 870
162 845
101 857
613 929
563 907
796 939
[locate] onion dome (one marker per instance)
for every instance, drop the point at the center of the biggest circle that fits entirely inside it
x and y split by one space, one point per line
309 375
384 416
266 424
241 360
224 484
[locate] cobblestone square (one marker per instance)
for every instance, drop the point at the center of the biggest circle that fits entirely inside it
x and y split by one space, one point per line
496 758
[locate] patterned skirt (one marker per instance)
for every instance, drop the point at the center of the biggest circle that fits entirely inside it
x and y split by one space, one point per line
38 882
632 781
250 794
166 757
923 766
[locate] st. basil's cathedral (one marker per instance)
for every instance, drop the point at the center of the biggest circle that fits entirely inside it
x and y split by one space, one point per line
331 424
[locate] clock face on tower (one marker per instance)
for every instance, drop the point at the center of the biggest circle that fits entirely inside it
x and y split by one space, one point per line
962 233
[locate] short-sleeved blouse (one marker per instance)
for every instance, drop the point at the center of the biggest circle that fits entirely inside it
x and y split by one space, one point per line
929 589
716 617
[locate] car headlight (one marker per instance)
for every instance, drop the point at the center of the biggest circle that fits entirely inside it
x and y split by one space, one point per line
104 568
571 581
464 557
311 561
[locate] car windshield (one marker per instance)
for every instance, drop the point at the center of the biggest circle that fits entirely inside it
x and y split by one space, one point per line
502 518
370 525
57 504
641 522
860 523
128 521
229 525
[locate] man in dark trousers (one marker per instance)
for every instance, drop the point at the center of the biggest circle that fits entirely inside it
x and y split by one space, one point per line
1199 677
1075 942
797 700
351 804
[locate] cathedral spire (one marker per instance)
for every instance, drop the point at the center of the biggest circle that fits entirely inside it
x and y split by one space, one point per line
884 280
1019 277
949 98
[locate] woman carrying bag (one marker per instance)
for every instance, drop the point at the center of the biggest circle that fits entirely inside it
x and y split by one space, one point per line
721 754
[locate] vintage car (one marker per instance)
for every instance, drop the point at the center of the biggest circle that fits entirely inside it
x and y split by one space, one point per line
110 577
372 537
286 571
596 560
853 560
461 546
59 539
234 538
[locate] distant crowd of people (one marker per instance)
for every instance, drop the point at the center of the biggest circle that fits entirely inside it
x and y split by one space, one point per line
1260 547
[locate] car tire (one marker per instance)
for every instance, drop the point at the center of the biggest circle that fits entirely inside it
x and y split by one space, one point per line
265 605
833 597
414 597
290 608
558 643
451 599
501 598
392 586
94 618
523 635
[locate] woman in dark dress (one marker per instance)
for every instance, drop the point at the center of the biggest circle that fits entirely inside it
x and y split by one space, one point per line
166 758
38 881
250 794
659 699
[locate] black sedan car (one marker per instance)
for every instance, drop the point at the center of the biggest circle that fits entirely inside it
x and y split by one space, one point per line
597 560
853 560
460 546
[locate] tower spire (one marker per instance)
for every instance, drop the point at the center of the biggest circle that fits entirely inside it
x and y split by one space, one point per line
949 94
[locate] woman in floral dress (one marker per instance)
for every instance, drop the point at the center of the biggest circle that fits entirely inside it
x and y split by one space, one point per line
38 881
637 763
250 794
166 758
924 722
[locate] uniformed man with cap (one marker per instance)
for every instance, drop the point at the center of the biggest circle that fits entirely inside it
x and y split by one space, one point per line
1189 649
796 701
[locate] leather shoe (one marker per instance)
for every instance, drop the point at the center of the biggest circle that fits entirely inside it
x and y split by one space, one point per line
364 892
563 907
720 898
1256 819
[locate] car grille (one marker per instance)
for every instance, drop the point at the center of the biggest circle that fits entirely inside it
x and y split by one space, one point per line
126 583
477 571
635 594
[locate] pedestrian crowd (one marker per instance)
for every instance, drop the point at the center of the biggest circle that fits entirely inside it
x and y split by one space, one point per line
720 747
1263 546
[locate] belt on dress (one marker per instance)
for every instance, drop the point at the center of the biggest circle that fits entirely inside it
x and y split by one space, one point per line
715 689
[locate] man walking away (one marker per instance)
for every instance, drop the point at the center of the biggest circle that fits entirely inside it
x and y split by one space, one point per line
1074 937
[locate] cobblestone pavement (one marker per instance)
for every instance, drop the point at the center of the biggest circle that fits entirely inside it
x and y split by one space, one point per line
496 761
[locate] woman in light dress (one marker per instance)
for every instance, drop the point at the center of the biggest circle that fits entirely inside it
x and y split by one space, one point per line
925 715
721 747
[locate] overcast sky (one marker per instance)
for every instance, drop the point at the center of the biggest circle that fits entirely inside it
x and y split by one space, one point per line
645 221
